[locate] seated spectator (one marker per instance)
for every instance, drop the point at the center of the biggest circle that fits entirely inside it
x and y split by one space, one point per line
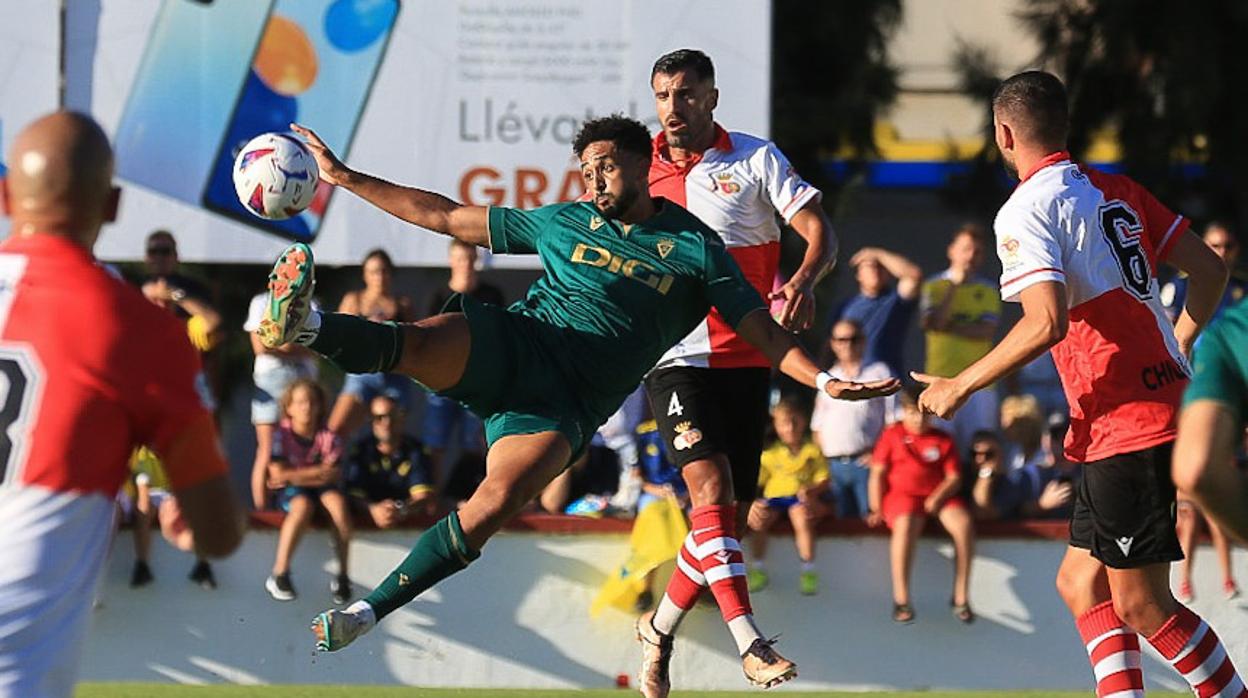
1019 480
792 478
304 466
388 473
888 293
377 302
149 495
660 479
272 372
586 487
914 475
959 312
847 430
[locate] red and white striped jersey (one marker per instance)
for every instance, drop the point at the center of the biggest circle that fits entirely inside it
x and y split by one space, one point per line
1102 235
89 369
736 187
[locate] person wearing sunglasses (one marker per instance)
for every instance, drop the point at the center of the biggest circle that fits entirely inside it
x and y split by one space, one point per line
388 472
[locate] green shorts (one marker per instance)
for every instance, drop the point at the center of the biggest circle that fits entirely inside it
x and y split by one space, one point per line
512 380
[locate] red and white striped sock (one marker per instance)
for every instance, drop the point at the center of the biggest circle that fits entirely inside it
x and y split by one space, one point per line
1193 649
1114 650
719 557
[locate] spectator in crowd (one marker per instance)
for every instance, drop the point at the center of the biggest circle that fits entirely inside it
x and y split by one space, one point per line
1021 479
305 467
444 416
847 431
272 372
888 292
959 313
148 493
388 472
1221 238
378 302
660 479
161 263
792 480
914 475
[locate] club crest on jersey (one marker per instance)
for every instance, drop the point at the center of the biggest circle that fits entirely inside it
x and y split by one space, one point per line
931 454
596 222
1009 253
686 436
725 184
665 247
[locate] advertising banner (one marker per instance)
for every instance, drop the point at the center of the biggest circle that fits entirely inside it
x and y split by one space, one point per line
475 99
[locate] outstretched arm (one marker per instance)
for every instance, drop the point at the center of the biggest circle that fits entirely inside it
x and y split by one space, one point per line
1206 280
416 206
783 351
1204 465
1043 324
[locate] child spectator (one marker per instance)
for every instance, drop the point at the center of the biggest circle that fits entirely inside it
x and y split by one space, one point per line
388 472
304 466
660 479
149 492
792 477
914 474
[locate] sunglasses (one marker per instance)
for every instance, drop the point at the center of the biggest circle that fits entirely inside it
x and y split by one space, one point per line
849 338
159 251
983 453
383 416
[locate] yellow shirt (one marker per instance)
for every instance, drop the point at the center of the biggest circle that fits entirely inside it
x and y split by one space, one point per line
976 300
782 473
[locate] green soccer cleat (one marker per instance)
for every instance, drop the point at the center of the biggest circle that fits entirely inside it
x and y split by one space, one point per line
808 583
756 579
336 629
290 295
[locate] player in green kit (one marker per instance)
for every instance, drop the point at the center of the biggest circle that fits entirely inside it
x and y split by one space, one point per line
626 276
1211 425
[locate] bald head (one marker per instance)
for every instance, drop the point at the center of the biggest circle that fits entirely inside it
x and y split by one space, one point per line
60 178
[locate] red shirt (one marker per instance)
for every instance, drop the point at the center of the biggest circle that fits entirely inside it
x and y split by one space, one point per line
94 369
915 464
1102 236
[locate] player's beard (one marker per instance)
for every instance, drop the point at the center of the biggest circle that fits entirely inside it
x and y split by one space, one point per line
1010 166
619 204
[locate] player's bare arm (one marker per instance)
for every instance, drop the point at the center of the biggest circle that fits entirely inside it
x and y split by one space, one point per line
1204 465
783 351
1043 324
812 224
1206 280
416 206
197 472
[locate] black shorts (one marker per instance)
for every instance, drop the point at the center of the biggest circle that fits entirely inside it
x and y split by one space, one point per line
706 411
1125 510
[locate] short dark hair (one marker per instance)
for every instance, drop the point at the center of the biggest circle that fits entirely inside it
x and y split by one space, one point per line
1036 101
689 59
985 435
381 254
975 231
629 135
1222 224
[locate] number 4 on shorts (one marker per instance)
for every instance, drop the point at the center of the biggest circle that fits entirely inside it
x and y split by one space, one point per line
674 407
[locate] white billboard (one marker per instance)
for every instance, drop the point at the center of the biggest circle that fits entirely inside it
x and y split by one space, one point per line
476 99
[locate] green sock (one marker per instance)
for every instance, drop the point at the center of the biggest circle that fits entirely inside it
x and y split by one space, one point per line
357 345
440 552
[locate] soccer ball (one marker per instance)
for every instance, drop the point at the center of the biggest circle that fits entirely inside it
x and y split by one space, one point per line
275 176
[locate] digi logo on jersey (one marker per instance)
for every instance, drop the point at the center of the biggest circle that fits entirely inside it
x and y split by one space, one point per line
634 269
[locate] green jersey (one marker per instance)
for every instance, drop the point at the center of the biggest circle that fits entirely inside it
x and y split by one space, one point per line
620 297
1220 366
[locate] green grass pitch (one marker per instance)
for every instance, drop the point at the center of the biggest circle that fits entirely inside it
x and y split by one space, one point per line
153 690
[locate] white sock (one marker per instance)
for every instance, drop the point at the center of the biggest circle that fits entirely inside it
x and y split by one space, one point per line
311 328
808 565
363 612
667 616
744 632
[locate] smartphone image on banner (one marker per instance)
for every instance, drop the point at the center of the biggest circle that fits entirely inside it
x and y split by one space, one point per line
315 64
193 67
